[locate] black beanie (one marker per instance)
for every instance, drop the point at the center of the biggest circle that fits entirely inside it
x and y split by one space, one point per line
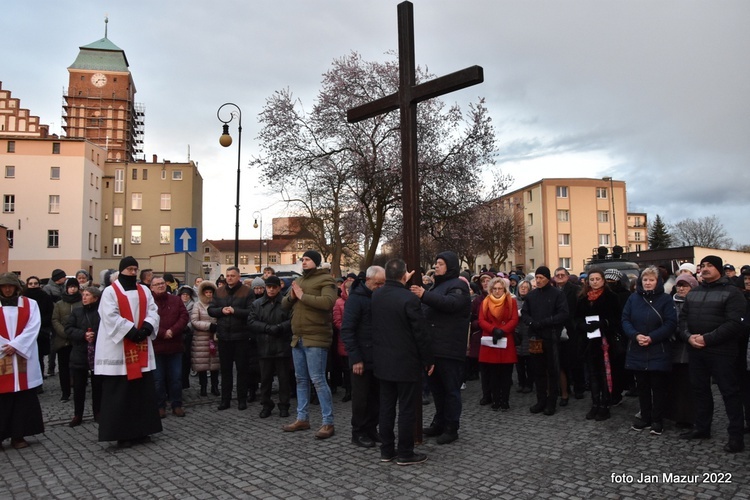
314 256
544 271
127 262
715 261
71 282
58 274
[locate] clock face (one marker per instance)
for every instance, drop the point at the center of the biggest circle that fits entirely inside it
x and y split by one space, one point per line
99 79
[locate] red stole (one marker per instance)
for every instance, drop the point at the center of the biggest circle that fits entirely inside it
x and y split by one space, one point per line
7 374
136 355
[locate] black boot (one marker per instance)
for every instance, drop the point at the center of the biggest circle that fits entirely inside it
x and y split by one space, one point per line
433 430
449 435
203 380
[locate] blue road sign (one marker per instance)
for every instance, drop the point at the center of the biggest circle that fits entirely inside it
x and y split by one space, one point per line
186 239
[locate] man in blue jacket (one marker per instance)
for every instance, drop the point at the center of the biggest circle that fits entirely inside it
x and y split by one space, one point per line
447 310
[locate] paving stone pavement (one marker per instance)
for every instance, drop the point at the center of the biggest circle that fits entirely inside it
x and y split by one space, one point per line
499 455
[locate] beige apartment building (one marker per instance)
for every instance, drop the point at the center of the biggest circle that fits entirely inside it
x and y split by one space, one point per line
565 221
637 232
145 203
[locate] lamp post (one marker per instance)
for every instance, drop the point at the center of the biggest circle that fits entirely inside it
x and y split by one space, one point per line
612 196
258 216
226 140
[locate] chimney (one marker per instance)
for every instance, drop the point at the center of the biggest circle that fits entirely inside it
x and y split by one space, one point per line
156 160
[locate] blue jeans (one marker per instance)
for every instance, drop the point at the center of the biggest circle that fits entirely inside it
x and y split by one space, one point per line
310 364
168 376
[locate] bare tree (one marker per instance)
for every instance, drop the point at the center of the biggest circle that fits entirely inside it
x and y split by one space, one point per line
500 230
350 174
703 232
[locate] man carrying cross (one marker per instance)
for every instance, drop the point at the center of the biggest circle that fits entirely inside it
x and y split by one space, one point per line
125 356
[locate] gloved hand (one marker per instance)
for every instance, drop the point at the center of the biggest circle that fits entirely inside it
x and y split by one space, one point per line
272 329
593 326
133 335
529 322
143 333
497 334
212 328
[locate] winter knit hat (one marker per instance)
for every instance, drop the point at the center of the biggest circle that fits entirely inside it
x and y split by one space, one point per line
314 256
714 260
612 275
544 271
272 280
58 274
258 281
127 262
687 278
71 282
687 266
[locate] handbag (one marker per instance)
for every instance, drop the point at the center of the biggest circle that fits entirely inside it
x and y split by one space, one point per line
535 346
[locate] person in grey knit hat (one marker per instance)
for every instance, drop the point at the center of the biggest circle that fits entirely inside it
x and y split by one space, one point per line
55 288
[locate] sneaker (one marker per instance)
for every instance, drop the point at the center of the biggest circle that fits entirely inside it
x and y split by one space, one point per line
415 458
639 425
463 387
616 400
657 428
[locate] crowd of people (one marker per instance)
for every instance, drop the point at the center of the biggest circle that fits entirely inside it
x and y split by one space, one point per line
389 343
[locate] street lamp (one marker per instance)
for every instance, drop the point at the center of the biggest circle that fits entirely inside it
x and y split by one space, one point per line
226 140
612 196
258 216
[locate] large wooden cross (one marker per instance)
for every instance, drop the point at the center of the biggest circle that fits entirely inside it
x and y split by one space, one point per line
406 99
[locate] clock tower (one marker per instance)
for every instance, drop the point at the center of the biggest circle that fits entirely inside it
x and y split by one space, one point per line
99 103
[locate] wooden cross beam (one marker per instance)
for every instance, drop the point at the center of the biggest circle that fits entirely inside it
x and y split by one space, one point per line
406 99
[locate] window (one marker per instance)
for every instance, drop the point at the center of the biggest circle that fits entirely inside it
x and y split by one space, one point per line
272 259
9 203
10 171
136 201
96 210
243 259
562 191
97 182
91 179
90 247
604 240
53 238
145 175
563 239
176 175
117 247
10 234
531 219
602 216
91 209
532 263
637 235
163 174
54 173
117 216
135 174
166 201
206 250
119 180
564 262
638 248
165 235
601 193
55 148
11 146
229 259
531 242
96 243
135 234
54 204
563 215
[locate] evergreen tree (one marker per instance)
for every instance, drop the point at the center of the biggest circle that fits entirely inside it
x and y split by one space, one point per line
658 234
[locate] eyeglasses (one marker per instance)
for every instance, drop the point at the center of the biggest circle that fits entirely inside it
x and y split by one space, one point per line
159 284
32 283
560 275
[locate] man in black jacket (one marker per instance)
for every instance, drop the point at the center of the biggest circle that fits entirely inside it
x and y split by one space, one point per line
545 312
271 328
231 306
356 333
711 323
571 350
447 310
400 352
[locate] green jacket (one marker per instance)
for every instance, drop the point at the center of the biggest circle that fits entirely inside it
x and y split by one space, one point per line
312 319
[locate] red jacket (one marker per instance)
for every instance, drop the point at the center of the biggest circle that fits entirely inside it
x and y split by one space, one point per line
173 316
507 324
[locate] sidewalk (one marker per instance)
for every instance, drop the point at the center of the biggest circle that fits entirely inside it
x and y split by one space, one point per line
233 454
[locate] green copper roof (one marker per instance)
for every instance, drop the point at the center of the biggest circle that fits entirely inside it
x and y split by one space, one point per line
101 55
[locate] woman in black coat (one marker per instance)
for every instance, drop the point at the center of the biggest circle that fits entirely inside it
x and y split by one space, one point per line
597 319
34 291
82 327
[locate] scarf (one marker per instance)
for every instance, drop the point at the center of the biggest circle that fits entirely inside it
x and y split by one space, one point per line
497 308
594 294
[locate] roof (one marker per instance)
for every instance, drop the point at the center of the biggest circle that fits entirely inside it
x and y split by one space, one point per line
249 246
101 55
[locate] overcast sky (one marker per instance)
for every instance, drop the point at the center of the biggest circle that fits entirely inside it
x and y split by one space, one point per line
654 93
